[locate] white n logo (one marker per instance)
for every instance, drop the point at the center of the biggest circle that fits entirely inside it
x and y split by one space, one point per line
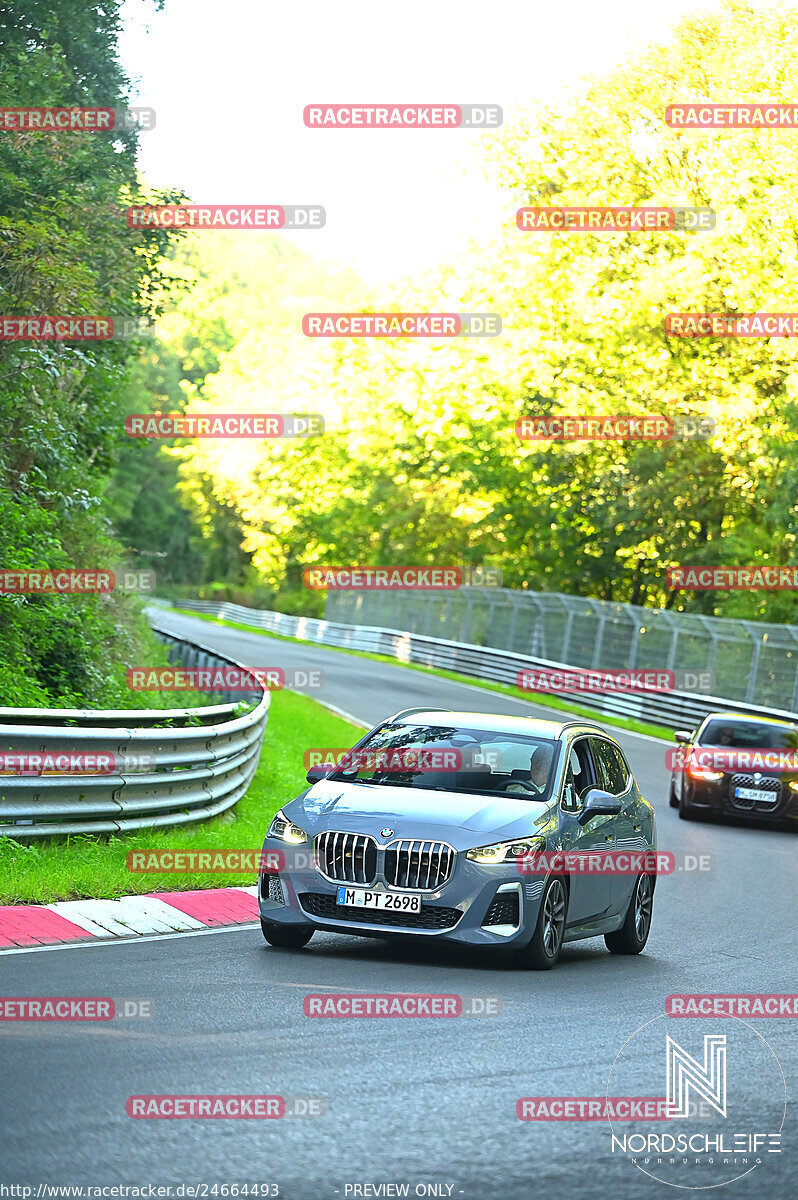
684 1072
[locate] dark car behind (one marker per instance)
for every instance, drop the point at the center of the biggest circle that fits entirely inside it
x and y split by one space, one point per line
745 766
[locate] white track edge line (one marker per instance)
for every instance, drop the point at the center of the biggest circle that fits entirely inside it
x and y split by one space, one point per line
119 941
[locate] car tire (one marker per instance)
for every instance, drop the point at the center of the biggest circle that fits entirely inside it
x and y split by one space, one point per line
686 812
674 803
633 934
287 937
544 949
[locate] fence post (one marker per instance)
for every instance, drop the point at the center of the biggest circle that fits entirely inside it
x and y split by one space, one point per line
794 701
599 639
513 622
750 690
635 639
566 642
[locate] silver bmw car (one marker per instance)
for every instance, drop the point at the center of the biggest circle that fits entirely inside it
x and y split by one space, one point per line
489 831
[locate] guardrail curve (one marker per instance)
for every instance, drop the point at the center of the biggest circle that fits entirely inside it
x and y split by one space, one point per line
199 764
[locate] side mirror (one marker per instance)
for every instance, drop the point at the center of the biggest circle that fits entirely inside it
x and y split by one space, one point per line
320 771
598 803
683 736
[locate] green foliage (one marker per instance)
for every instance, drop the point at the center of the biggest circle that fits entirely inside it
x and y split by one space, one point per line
65 249
421 464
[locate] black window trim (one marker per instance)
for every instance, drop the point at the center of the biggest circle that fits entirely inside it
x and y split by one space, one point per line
627 769
580 737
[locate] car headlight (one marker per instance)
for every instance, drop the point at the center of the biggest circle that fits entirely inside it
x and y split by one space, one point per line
501 852
696 772
283 829
793 785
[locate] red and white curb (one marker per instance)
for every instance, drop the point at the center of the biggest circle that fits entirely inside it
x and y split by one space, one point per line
73 921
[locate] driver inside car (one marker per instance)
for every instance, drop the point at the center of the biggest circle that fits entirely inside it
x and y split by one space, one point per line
539 765
536 780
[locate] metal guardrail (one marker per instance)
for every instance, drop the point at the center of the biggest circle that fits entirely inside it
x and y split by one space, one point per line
199 761
675 709
753 662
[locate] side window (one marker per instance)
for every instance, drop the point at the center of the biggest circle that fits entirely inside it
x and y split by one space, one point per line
623 764
580 775
612 771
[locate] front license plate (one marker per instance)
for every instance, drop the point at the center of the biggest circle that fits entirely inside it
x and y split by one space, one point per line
755 794
363 898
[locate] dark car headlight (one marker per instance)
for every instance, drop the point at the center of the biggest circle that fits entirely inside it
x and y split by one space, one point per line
501 852
285 830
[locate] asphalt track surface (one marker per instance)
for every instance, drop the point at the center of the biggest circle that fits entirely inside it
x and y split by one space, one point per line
408 1101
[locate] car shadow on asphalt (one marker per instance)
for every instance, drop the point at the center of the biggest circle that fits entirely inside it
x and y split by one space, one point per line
575 956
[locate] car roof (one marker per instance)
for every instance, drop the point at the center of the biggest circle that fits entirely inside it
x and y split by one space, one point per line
496 722
750 718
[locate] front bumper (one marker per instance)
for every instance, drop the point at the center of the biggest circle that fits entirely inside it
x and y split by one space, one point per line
717 797
477 906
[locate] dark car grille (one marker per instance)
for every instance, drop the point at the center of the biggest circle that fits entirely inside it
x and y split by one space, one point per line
418 864
767 784
271 888
503 910
318 905
350 857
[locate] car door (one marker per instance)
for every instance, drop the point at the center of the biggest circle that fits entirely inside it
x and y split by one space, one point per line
590 891
628 826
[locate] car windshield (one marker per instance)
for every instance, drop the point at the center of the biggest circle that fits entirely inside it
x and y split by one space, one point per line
450 759
723 731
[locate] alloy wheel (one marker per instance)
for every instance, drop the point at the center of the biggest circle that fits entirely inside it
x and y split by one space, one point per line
643 904
553 918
